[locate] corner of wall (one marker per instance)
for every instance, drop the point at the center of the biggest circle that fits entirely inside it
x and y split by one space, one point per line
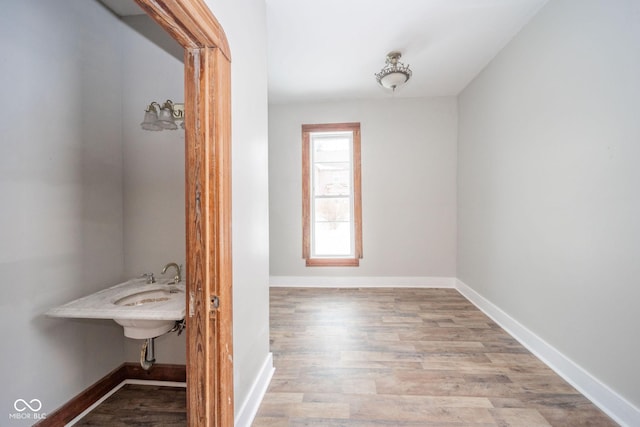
614 405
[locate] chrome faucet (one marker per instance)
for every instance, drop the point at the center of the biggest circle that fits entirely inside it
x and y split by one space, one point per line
178 277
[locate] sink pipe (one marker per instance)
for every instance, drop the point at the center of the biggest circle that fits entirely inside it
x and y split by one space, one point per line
147 354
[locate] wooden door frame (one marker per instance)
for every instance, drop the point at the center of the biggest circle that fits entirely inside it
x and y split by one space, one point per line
207 65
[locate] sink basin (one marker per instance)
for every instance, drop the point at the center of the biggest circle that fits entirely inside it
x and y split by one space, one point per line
144 310
143 329
145 297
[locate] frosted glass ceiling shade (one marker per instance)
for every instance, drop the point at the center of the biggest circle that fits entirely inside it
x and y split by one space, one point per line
394 74
393 80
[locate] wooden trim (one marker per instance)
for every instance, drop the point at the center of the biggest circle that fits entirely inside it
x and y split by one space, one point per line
219 244
126 371
306 195
306 191
189 22
327 127
208 207
332 262
357 193
158 372
209 330
197 407
85 399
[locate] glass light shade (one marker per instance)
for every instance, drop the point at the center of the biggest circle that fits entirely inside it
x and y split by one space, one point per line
165 119
150 121
394 73
393 80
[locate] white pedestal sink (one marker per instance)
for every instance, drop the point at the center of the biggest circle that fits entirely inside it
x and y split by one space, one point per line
144 310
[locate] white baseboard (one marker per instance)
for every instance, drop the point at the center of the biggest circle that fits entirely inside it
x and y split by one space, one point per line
361 282
251 404
614 405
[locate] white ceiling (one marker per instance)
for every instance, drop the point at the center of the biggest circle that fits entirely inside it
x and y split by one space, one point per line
330 49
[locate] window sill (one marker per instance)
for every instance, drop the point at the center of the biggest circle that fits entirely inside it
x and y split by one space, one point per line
332 262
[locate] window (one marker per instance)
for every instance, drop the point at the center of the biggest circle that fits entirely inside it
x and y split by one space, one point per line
331 201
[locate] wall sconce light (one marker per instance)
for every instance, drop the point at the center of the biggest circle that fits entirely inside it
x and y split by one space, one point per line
157 117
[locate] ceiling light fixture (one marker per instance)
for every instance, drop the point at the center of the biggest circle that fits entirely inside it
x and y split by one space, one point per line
394 73
163 117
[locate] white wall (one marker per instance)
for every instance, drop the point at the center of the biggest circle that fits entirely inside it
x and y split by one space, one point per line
245 26
61 185
549 207
154 177
408 186
70 197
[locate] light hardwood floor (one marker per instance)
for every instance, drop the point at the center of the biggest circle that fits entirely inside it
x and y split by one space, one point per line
406 357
